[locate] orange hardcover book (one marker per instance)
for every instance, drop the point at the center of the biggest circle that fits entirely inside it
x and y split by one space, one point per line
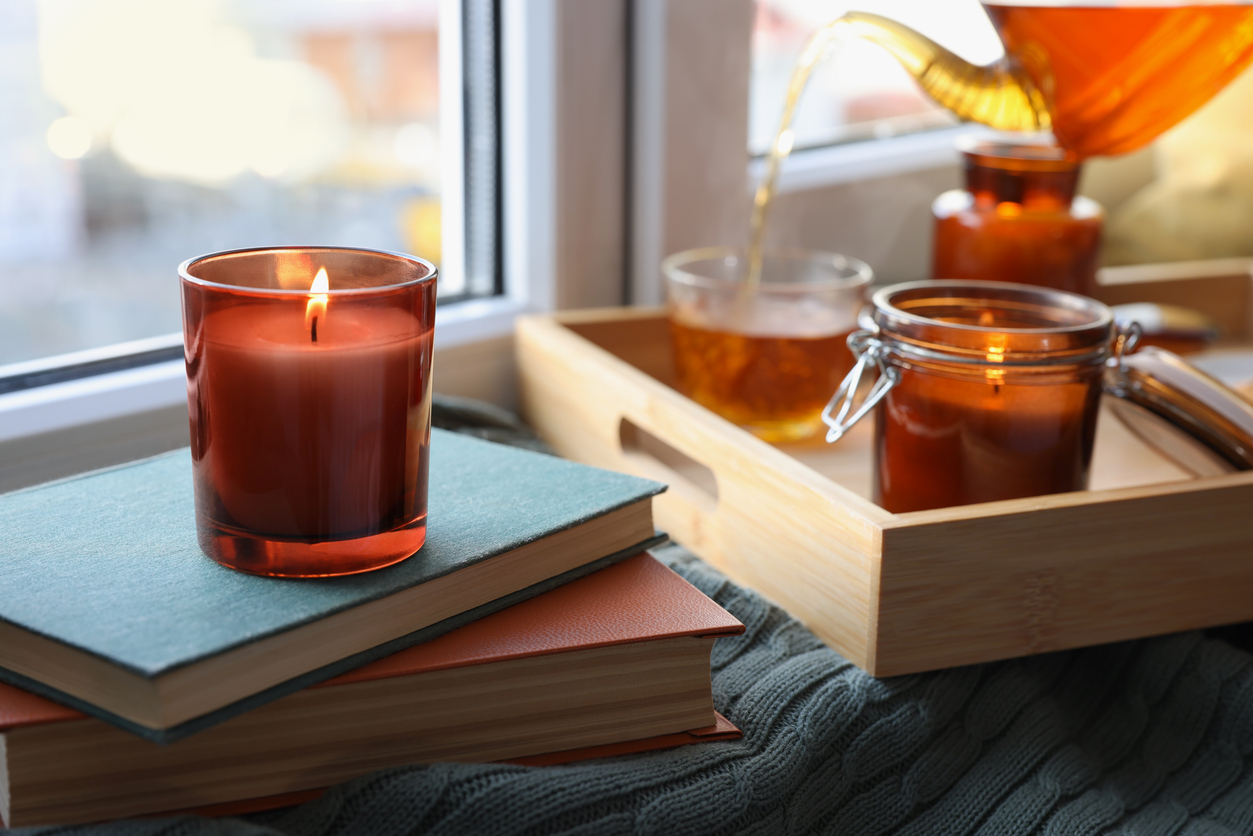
618 659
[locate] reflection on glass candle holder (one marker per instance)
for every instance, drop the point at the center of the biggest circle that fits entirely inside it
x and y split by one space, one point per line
309 394
986 391
767 355
1018 220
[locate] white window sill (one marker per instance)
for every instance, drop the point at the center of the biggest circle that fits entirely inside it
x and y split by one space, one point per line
815 168
90 399
475 320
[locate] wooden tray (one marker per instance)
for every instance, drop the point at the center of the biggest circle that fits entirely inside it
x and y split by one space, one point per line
1147 550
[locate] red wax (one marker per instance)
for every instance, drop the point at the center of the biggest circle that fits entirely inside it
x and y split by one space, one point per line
994 395
942 441
310 455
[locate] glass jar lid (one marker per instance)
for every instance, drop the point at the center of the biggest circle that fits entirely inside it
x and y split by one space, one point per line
1194 420
979 322
1188 416
997 331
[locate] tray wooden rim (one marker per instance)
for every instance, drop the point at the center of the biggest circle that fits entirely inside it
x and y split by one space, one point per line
901 593
779 458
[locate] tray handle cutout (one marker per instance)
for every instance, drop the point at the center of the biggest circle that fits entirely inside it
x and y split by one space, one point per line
655 459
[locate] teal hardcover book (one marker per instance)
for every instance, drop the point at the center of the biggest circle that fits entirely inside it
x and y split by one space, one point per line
108 604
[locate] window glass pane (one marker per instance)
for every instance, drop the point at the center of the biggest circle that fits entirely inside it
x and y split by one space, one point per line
139 133
859 91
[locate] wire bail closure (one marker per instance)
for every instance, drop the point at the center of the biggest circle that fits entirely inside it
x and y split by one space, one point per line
867 348
1125 340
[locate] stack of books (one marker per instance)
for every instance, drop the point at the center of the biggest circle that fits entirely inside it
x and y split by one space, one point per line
142 677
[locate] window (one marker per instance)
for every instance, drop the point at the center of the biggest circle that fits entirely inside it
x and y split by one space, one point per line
147 132
521 84
143 132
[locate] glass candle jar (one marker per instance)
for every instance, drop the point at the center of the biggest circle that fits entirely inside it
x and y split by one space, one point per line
309 393
1018 220
986 391
764 356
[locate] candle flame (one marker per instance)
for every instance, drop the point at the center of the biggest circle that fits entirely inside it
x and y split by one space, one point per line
996 354
316 307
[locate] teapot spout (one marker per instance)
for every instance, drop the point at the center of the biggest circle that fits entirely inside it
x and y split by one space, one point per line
1000 95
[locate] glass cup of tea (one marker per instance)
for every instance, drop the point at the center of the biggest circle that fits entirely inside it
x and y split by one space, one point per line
765 355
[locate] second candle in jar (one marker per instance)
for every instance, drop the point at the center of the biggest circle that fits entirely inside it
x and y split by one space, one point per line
988 391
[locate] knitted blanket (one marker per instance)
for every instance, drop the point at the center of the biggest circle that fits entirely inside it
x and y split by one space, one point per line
1150 737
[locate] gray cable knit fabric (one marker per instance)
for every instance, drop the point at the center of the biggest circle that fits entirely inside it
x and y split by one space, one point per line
1152 738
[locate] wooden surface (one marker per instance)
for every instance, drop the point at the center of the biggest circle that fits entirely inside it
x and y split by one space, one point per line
1147 550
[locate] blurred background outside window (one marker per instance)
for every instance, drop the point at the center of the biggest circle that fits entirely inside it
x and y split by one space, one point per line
139 133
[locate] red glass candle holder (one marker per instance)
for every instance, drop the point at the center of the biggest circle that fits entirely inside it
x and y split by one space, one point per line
310 406
1018 220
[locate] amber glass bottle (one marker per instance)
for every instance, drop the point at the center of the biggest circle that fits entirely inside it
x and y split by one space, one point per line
1018 220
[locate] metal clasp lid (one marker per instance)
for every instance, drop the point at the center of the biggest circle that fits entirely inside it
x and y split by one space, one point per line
1126 338
867 348
1189 417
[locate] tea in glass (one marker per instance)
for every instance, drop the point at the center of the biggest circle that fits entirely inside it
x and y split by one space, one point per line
765 355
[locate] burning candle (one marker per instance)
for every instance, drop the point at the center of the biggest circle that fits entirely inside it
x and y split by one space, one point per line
986 391
309 396
943 441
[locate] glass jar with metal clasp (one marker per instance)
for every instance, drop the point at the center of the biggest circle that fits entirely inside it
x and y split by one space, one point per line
985 391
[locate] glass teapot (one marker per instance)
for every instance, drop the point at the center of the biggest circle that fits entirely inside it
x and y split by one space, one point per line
1105 78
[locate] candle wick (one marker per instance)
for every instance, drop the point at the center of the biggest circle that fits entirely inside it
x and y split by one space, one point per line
315 329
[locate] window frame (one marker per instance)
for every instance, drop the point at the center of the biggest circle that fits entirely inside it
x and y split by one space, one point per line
551 104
